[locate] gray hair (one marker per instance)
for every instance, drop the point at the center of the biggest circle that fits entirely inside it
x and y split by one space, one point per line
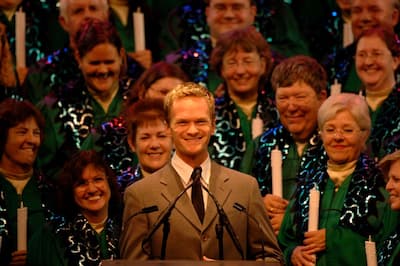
64 6
353 103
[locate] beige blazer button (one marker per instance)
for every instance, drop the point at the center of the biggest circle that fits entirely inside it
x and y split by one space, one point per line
204 237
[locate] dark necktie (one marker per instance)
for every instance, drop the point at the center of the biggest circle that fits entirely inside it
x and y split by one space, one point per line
197 193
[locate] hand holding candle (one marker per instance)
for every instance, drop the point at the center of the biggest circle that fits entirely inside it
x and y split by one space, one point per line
257 126
22 227
20 38
276 165
138 24
313 211
370 251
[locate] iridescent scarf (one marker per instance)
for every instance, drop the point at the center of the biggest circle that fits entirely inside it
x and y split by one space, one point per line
228 140
279 137
360 201
82 241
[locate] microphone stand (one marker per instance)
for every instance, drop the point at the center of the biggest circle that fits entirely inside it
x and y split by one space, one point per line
224 221
164 218
241 208
150 209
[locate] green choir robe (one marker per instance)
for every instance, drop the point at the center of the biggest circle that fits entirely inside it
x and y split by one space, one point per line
343 245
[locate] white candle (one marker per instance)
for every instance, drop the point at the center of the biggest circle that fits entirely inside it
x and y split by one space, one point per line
138 26
313 211
22 224
336 88
20 38
257 126
348 37
276 165
370 252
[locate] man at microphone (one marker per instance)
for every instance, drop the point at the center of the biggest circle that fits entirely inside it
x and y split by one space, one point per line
193 217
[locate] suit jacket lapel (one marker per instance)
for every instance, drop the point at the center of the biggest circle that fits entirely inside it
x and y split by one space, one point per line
172 187
218 187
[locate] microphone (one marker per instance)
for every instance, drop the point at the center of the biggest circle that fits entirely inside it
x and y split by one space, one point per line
164 216
243 209
150 209
224 222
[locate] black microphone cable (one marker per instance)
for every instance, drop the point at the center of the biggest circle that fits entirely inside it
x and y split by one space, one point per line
241 208
225 222
164 217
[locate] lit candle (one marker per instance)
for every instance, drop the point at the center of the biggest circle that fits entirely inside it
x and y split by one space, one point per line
20 38
336 88
370 251
256 126
313 211
138 26
22 219
276 165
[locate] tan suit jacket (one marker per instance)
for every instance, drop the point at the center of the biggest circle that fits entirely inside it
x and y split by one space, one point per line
188 238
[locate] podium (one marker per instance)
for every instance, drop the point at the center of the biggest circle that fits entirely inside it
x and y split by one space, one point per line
186 263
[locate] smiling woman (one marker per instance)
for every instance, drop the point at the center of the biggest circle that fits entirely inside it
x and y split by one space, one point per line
389 249
89 204
353 199
377 59
21 133
149 137
244 109
75 113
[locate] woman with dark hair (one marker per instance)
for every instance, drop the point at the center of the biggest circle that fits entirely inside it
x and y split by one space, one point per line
157 81
75 113
244 110
21 184
377 59
88 229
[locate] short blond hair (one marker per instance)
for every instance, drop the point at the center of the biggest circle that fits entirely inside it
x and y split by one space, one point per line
387 162
188 89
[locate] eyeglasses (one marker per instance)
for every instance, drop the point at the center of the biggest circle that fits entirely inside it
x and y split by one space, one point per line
233 64
374 55
222 8
96 181
344 132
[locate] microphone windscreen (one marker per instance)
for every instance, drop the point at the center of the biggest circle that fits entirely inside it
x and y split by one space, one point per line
150 209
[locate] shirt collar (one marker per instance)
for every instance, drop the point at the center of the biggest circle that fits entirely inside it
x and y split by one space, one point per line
185 171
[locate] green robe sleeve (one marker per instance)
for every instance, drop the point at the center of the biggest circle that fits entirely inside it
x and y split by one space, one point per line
45 249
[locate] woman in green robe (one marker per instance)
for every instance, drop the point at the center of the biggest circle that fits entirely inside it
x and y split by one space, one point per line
21 183
75 112
389 249
243 106
352 194
87 230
